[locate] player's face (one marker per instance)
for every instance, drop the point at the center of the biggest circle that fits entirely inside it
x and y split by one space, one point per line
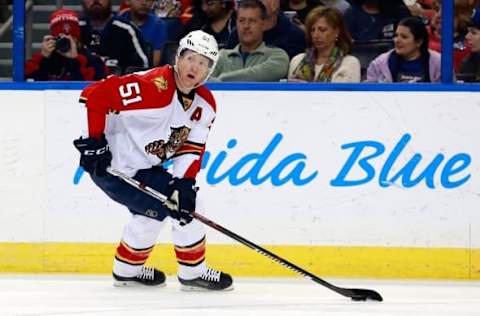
405 44
192 68
323 35
473 39
249 25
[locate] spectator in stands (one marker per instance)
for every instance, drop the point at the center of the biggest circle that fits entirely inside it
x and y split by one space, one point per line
171 12
464 8
279 31
410 60
303 7
420 8
175 13
368 20
470 67
182 9
217 18
251 59
340 5
63 56
116 39
167 8
461 19
154 29
328 44
191 9
197 17
296 10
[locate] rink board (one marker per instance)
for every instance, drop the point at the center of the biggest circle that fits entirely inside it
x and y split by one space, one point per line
373 184
365 262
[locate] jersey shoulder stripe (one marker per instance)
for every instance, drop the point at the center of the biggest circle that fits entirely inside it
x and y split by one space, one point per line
207 95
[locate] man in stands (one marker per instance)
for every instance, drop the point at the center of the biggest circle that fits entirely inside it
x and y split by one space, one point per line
114 38
279 31
216 17
251 59
154 29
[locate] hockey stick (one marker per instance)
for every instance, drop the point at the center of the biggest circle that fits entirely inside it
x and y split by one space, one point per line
354 294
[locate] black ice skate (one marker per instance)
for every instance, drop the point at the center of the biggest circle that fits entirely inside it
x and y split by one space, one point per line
147 276
211 280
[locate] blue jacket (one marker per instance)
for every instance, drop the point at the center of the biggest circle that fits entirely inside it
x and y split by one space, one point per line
154 30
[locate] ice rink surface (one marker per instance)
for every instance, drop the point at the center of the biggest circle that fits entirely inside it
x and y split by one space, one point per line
95 295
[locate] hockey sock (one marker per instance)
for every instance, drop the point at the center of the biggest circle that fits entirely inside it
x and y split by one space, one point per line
191 259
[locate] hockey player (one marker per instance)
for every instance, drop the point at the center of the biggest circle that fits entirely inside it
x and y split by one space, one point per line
136 123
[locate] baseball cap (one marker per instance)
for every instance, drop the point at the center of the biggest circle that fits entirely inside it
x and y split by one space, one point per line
65 21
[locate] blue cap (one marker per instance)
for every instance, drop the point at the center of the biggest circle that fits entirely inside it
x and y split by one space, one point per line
475 20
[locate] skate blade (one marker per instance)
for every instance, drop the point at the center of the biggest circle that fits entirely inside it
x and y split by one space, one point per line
134 284
190 288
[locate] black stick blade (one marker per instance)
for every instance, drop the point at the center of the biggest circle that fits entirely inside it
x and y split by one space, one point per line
363 295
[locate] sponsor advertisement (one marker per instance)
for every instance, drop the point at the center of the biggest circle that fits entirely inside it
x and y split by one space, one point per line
306 168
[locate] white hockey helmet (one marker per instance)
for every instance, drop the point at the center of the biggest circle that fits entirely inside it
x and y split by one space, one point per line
202 43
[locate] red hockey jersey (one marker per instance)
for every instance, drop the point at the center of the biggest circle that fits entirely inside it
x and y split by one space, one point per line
146 124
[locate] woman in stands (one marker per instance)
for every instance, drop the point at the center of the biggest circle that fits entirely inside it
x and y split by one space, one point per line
410 60
470 68
328 44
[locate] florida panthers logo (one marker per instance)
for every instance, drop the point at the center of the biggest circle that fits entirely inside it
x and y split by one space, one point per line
178 136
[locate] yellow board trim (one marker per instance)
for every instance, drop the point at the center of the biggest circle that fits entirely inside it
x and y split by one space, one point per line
368 262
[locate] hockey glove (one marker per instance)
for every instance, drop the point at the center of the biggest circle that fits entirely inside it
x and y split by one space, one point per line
95 155
182 200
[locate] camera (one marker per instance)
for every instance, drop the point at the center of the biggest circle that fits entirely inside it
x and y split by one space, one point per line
62 44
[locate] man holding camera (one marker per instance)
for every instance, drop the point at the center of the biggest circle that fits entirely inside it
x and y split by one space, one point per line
63 56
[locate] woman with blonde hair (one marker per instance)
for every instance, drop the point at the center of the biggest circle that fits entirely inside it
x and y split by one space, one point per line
328 44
